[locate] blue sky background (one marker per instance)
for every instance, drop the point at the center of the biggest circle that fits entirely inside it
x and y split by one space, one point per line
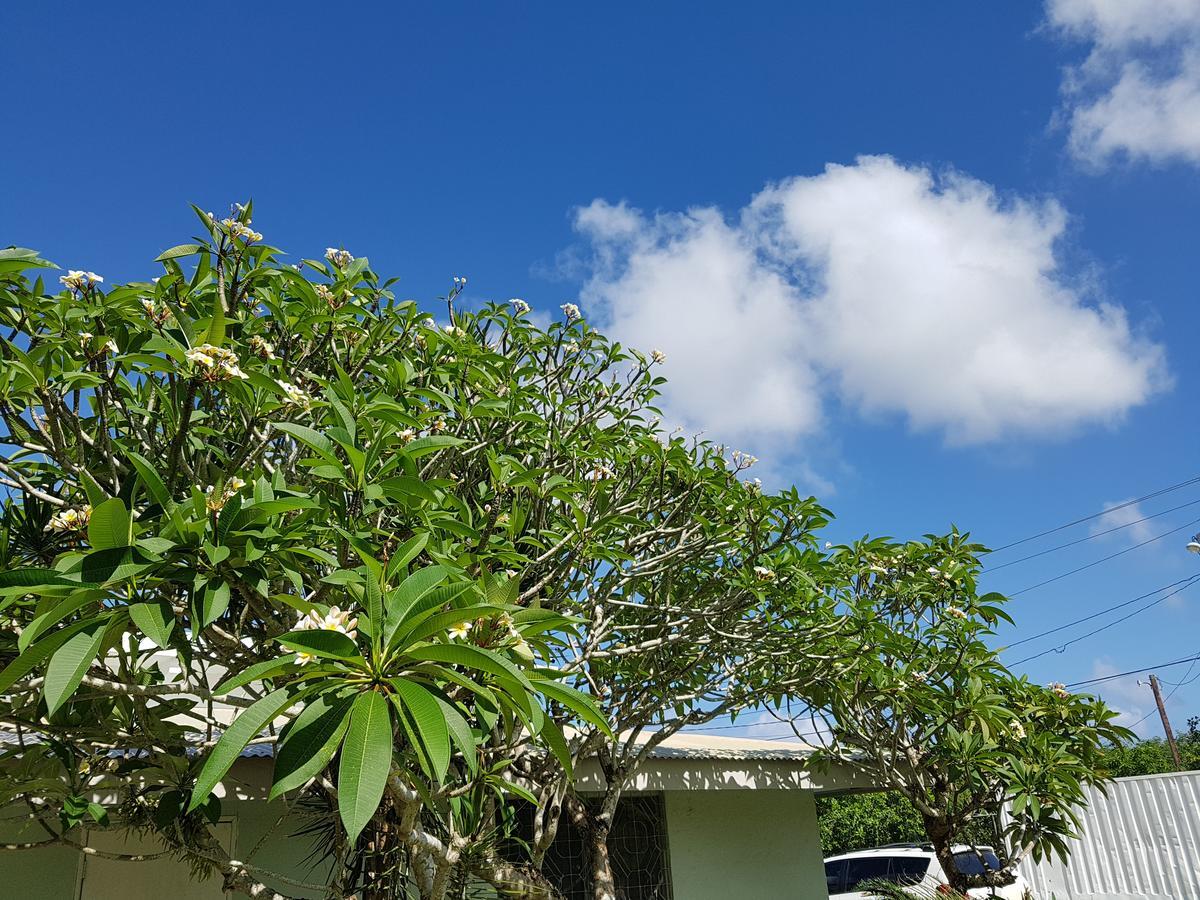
462 140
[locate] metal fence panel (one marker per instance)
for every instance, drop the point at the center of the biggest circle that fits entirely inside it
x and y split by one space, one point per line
1140 842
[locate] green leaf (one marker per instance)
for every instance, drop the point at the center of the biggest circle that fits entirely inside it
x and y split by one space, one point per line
310 742
178 251
110 525
249 723
373 597
365 763
69 663
113 564
431 444
312 439
321 642
574 700
258 671
472 658
429 723
32 658
34 577
154 620
214 603
460 731
402 600
216 327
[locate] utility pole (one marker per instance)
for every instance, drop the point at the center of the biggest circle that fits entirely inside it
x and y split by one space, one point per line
1162 712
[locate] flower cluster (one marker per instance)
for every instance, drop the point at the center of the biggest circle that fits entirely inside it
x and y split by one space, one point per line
657 356
242 230
762 573
340 258
743 460
262 347
215 500
295 395
219 363
519 306
1059 690
407 436
1016 730
334 620
571 311
70 519
955 613
156 312
79 281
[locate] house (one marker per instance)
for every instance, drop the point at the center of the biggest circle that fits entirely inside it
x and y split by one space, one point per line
708 818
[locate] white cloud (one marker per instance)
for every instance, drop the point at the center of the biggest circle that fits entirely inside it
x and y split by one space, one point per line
1138 92
895 290
1127 519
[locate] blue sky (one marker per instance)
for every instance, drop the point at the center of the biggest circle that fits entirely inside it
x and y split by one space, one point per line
933 261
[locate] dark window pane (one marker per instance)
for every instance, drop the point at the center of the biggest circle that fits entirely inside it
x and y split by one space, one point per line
865 868
968 862
835 876
909 869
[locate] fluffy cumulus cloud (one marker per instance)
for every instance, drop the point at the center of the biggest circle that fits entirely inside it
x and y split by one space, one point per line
1123 519
1138 92
897 291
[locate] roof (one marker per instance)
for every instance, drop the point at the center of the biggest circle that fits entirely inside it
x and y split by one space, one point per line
677 746
693 745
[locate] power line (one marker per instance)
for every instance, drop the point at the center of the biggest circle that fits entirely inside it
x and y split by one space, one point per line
1104 559
1150 496
1165 665
1177 686
1091 537
1102 612
1096 631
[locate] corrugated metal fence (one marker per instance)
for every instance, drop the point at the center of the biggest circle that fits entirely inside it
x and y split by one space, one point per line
1140 841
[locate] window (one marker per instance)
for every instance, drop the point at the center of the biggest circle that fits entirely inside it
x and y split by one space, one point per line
968 862
847 874
637 847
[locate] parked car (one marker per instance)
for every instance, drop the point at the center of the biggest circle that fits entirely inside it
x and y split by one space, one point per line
912 865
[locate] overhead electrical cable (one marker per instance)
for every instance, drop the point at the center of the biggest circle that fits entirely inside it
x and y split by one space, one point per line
1080 521
1062 647
1104 559
1091 537
1162 665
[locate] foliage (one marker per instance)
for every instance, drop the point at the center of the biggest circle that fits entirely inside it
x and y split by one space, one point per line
923 701
862 821
1152 756
429 564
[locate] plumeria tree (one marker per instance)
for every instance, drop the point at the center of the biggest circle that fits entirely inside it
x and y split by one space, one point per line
922 704
432 564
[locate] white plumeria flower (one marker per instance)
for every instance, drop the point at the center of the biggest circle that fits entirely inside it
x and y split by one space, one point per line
262 347
955 613
571 311
519 305
460 631
407 436
762 573
1017 730
219 362
657 356
1059 690
340 258
70 519
294 394
79 281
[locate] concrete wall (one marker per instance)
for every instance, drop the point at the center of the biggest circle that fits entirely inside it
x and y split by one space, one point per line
748 845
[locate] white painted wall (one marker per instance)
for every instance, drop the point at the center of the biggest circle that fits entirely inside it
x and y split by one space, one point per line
745 845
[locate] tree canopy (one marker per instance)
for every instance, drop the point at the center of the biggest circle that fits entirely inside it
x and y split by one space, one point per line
434 562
